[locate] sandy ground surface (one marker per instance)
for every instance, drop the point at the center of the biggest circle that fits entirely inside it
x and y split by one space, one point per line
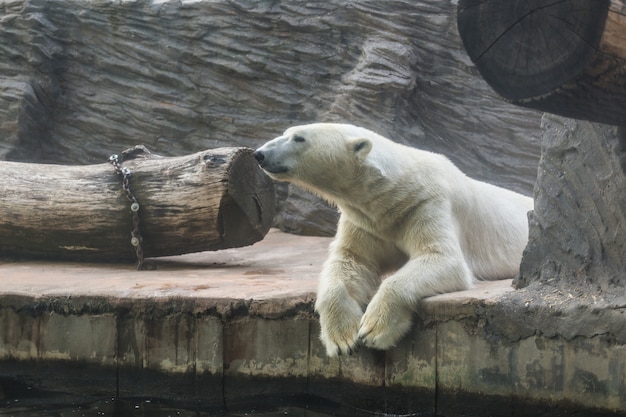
281 265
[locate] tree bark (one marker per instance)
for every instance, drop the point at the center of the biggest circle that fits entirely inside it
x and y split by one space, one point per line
210 200
564 57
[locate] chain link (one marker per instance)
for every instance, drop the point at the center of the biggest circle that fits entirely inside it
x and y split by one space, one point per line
136 240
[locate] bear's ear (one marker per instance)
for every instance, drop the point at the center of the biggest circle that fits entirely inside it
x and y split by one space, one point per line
361 147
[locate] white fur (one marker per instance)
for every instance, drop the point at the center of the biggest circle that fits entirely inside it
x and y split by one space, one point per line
405 213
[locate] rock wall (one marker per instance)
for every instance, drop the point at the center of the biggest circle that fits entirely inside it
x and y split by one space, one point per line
578 227
80 80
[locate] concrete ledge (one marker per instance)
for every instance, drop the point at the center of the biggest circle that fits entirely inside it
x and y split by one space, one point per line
217 328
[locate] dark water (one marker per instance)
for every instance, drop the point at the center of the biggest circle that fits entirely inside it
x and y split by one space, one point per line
99 408
120 407
18 399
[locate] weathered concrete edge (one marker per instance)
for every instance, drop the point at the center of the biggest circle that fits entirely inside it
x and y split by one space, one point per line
495 346
541 344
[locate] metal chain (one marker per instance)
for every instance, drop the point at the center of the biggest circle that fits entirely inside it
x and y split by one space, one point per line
136 240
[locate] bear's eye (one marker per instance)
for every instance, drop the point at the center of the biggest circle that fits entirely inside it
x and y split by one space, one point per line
298 139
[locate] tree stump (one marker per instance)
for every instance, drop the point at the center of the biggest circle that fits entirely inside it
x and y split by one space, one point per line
564 57
577 234
210 200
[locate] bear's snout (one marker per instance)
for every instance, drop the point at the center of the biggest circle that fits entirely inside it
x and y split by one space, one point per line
268 161
259 156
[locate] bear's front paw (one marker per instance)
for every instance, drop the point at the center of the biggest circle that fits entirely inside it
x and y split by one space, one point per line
339 321
384 323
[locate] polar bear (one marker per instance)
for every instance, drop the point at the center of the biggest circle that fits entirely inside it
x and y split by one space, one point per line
411 225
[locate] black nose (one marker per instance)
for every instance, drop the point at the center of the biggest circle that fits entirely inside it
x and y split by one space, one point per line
259 156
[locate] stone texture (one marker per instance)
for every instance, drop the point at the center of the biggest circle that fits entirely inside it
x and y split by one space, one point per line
187 349
278 357
411 371
82 80
578 228
545 369
19 335
412 363
96 344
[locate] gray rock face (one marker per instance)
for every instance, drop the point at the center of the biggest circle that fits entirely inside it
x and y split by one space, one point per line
578 228
82 80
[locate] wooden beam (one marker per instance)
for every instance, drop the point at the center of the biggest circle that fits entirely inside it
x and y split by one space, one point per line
565 57
210 200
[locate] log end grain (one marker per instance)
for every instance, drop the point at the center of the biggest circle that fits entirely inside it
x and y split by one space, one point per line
528 49
247 208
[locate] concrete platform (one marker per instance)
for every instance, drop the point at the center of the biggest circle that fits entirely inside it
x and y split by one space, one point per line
214 329
282 265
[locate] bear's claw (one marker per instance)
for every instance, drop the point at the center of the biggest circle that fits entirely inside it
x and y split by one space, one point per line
384 323
381 341
344 348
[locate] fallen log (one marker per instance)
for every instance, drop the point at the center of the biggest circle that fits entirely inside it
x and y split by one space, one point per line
564 57
210 200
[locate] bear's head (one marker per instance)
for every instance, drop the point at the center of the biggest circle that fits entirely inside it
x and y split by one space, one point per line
325 158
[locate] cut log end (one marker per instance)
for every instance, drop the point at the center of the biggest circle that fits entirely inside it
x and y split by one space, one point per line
526 49
565 57
247 208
